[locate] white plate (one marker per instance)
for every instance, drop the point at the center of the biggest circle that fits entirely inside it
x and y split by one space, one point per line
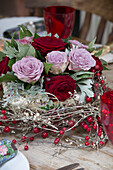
19 162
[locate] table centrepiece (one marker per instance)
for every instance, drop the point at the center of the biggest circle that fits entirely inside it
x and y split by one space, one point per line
52 87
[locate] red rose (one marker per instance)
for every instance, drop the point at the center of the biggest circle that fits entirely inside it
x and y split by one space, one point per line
98 64
60 86
48 44
4 68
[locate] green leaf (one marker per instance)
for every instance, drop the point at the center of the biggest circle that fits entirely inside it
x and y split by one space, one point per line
10 51
105 68
86 89
11 62
90 49
36 36
14 42
38 55
2 55
8 77
27 86
91 44
25 50
24 32
47 66
98 53
67 39
82 75
103 61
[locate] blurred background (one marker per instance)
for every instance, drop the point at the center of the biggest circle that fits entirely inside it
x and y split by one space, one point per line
34 9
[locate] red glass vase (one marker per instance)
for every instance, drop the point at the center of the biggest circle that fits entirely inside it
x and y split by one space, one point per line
107 113
60 20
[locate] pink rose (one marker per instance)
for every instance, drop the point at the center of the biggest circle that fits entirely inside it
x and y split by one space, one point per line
80 59
60 61
26 40
28 69
3 150
78 44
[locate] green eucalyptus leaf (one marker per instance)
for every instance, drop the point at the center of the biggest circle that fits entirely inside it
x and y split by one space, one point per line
47 66
24 32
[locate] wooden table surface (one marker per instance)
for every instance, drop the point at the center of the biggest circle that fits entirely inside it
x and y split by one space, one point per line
40 153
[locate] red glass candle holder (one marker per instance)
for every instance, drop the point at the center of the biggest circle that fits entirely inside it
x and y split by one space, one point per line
107 113
60 20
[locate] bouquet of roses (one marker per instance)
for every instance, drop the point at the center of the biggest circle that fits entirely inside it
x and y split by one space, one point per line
66 65
62 68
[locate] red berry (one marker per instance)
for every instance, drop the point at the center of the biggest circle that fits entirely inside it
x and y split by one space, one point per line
0 123
94 127
64 129
2 111
97 67
6 129
102 81
104 87
56 141
96 85
94 95
14 141
73 128
54 131
99 119
23 138
44 134
14 121
87 143
87 138
4 117
69 115
44 126
85 126
93 70
88 99
26 147
99 134
88 129
1 87
61 132
71 123
89 119
82 124
31 138
35 130
100 130
101 143
98 74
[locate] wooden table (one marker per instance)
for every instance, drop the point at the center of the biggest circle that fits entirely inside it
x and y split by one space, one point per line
40 153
